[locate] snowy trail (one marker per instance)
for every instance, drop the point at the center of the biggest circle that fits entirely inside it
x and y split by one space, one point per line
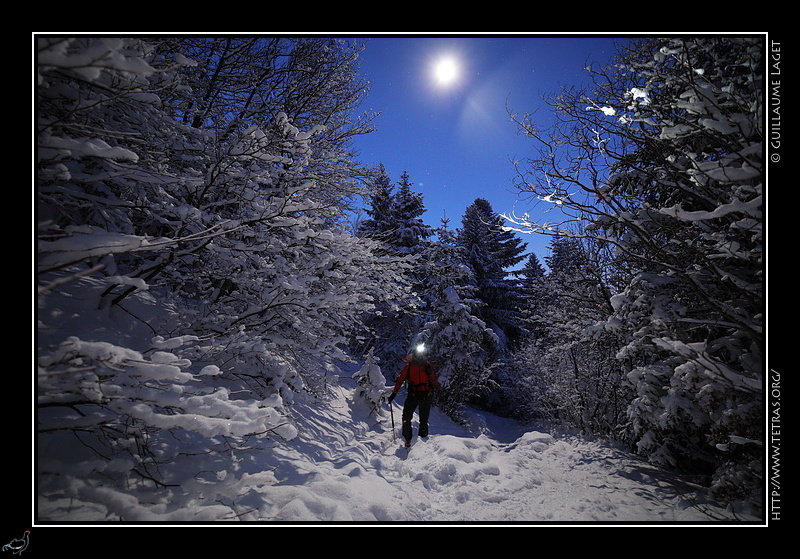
344 466
342 469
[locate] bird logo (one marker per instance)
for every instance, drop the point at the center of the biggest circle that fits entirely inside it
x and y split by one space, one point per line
18 545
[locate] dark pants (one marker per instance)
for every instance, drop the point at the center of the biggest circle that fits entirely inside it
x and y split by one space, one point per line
417 399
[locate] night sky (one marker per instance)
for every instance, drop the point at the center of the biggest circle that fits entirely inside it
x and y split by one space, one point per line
455 138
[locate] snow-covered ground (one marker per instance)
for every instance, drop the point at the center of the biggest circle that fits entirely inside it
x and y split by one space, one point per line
346 466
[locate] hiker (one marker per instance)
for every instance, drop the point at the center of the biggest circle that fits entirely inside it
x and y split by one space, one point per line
422 382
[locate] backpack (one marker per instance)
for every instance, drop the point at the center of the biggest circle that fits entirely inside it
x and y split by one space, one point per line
419 377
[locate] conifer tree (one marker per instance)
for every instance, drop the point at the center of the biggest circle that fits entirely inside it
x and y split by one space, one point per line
381 221
371 384
396 222
462 347
395 217
491 250
533 293
445 267
411 231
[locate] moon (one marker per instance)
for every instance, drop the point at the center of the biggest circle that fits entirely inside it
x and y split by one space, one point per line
446 71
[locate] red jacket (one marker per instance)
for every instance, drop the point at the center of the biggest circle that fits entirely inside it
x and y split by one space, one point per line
420 377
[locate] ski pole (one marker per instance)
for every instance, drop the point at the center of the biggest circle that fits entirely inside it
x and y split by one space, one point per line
391 412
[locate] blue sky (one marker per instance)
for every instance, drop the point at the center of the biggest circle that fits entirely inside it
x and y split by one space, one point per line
457 141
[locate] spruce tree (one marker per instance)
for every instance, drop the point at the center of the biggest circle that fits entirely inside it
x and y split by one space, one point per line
411 232
395 217
395 220
381 221
444 267
462 347
491 250
371 385
533 294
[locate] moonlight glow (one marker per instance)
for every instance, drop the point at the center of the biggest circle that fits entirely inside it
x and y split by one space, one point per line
446 71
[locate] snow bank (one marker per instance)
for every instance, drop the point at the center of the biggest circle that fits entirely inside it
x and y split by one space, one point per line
345 466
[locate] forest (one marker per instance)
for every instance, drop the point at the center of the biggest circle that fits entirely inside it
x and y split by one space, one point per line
204 194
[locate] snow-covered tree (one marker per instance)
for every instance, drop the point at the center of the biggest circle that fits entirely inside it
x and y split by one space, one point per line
395 216
566 371
395 221
533 295
461 346
666 167
491 251
411 230
445 266
371 383
201 223
380 208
